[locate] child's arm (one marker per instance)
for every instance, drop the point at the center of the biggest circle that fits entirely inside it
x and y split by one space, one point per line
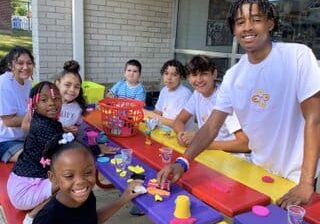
113 91
184 138
110 94
238 145
141 94
157 115
72 128
107 211
12 120
181 120
26 122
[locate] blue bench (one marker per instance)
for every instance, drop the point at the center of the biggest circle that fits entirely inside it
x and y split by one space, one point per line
160 212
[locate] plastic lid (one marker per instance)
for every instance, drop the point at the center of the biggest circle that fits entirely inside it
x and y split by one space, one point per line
103 159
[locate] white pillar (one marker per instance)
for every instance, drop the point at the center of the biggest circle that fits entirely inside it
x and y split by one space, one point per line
78 34
35 39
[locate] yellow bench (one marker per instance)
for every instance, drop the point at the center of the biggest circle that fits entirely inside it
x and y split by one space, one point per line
232 166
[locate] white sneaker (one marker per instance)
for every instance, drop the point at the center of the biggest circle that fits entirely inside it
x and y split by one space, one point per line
27 219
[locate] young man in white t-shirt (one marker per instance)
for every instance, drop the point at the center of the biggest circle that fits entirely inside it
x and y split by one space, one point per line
274 91
202 74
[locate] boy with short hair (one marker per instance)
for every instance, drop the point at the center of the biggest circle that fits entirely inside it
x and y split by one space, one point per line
130 87
202 75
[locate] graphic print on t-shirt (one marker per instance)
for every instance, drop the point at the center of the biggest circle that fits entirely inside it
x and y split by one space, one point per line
260 98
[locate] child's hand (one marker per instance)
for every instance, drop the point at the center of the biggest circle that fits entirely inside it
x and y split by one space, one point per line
147 113
185 138
73 129
110 94
129 194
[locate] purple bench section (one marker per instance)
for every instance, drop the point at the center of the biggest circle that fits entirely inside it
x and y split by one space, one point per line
160 212
277 215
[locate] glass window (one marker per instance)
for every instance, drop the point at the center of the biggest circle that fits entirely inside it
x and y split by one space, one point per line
202 28
300 23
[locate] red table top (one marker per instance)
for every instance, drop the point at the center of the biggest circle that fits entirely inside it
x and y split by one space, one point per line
217 190
227 195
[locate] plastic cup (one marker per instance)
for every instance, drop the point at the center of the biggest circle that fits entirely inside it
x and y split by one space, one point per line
166 155
119 162
92 137
127 156
295 214
182 209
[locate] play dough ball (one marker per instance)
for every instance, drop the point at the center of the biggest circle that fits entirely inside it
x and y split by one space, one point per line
267 179
260 210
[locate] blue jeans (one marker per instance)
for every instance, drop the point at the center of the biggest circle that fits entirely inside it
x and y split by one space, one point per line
9 148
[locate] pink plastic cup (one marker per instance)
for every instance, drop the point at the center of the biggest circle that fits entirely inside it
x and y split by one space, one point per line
92 137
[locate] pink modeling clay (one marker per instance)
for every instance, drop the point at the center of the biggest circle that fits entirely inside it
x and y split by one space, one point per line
260 210
183 221
267 179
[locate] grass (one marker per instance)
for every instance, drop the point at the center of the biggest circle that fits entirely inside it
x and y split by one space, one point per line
17 37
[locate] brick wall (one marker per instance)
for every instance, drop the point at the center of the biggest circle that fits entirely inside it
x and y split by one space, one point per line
5 15
51 36
115 31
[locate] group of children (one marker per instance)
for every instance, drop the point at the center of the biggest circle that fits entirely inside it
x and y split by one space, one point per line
35 121
56 173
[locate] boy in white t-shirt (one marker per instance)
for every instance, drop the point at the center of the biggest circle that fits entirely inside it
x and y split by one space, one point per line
173 95
274 90
202 73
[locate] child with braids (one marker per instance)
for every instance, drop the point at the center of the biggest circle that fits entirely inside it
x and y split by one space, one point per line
28 184
73 103
72 170
274 90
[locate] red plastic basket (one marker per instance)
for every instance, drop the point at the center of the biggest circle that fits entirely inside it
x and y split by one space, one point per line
121 117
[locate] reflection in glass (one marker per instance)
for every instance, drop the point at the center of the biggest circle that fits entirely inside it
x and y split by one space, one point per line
299 22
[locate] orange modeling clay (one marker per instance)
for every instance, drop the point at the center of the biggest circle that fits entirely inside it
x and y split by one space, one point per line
154 191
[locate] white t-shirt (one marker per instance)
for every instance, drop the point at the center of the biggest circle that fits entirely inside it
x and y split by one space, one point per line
13 100
170 103
70 114
202 107
266 98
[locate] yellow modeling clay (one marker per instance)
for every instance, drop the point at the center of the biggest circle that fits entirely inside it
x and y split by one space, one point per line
158 197
123 174
136 169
